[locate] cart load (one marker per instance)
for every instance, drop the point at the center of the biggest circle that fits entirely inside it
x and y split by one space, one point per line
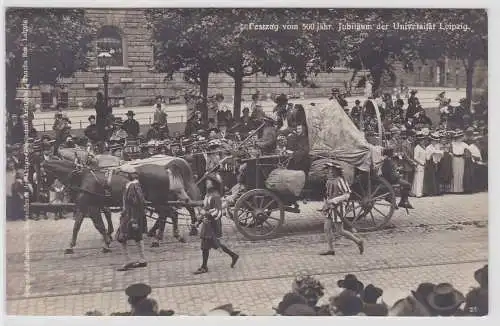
286 182
332 134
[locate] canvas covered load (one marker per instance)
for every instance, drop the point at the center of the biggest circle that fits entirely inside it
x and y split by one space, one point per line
160 160
286 182
333 134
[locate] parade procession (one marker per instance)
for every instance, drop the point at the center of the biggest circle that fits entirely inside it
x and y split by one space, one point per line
366 162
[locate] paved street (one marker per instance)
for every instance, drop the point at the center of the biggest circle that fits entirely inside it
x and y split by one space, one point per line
444 239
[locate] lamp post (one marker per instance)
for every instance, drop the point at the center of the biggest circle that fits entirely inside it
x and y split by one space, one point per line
106 59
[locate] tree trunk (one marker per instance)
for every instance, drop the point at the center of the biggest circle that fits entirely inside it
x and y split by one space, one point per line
469 69
204 74
238 89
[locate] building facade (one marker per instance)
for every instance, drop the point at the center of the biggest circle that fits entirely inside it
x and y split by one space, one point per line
133 81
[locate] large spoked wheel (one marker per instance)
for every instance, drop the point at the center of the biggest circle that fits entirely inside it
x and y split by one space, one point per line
259 214
371 205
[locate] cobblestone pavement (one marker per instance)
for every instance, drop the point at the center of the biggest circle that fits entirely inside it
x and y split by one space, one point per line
444 239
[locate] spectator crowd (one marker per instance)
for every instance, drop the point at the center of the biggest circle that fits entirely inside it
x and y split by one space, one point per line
353 298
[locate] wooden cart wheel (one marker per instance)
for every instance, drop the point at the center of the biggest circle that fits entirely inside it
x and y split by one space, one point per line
259 214
370 209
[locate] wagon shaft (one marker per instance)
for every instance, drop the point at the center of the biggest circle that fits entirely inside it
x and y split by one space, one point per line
49 207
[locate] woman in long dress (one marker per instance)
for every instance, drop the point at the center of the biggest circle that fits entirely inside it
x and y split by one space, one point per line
433 156
480 168
445 168
419 156
457 149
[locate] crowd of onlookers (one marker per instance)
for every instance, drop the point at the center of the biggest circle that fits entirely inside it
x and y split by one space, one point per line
449 156
353 298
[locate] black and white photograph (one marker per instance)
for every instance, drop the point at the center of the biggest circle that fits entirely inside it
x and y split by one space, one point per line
246 161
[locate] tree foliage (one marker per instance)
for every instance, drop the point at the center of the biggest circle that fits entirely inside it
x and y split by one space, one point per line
58 43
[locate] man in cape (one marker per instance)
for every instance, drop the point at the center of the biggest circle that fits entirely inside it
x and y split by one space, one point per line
132 221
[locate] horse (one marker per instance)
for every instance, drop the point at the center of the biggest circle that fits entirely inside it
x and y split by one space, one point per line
84 157
159 184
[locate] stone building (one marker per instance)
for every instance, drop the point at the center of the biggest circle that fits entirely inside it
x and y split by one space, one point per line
133 81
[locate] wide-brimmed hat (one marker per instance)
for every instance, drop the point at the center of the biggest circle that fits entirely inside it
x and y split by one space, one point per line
130 113
281 99
351 282
413 91
91 117
372 293
138 290
435 136
481 275
445 297
458 134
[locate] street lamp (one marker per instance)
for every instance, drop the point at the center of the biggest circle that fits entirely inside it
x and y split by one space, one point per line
106 60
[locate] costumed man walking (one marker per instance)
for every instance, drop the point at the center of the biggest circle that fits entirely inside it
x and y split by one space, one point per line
211 230
337 192
132 221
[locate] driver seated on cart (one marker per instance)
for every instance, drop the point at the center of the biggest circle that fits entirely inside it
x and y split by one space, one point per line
267 139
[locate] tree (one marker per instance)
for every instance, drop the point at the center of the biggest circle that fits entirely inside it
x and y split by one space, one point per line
203 41
378 49
184 40
58 42
469 46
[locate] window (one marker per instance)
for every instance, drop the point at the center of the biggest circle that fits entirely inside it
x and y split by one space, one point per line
63 99
47 100
109 40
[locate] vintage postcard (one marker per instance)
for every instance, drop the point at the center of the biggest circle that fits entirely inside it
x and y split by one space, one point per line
255 161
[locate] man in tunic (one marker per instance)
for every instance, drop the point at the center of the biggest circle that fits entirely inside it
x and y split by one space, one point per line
337 192
132 221
211 231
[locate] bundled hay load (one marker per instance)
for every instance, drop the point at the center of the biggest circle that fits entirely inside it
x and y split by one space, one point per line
286 182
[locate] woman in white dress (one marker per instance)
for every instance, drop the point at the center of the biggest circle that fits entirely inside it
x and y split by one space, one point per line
420 158
457 150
